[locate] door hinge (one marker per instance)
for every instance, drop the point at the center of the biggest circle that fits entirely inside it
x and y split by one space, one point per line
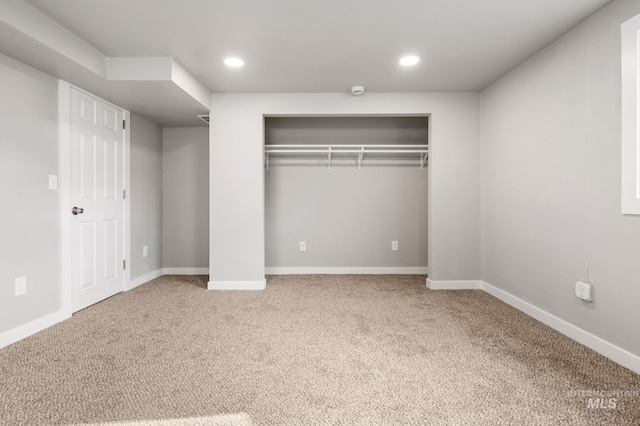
124 264
124 124
124 194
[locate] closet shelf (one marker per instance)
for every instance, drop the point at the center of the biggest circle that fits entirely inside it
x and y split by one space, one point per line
331 150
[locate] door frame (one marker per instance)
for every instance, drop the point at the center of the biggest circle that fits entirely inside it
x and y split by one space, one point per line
64 192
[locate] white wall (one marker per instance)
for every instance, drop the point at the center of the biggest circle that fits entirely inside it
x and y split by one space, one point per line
237 215
146 196
551 182
29 219
185 190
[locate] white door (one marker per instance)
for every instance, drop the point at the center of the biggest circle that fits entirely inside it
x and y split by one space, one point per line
97 206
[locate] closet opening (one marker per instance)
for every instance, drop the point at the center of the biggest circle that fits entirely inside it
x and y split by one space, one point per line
346 194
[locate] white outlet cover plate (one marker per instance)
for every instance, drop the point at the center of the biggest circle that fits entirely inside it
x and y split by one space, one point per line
21 286
583 291
303 246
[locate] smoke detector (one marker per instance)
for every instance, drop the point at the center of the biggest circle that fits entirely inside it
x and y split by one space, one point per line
357 90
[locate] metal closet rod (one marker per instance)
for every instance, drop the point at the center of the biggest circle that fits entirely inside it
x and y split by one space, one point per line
346 146
328 150
354 151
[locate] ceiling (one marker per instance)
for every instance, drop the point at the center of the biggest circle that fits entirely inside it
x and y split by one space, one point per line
328 45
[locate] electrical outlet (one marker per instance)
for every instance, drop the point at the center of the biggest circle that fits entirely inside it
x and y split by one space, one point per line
394 245
583 291
303 246
21 286
145 251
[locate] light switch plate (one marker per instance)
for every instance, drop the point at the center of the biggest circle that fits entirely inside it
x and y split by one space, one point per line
53 182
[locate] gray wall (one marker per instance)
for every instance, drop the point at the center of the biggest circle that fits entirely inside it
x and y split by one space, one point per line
30 215
186 197
237 182
347 216
146 196
551 182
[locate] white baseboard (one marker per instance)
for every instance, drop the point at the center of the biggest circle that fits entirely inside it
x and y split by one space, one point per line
454 285
237 285
143 279
311 270
186 271
611 351
26 330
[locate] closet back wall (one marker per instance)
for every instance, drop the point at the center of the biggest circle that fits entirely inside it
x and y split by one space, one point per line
347 130
347 216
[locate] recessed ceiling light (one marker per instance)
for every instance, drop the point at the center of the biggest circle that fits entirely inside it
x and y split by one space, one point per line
233 62
409 60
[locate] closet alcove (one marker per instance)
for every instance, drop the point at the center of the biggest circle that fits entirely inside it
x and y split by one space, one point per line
345 188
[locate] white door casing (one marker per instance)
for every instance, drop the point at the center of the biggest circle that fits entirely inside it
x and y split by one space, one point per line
96 189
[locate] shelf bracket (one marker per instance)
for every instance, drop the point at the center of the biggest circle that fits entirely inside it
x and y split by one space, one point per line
329 157
266 160
360 157
424 159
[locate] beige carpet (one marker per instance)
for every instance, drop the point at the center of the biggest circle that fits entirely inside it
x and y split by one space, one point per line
309 350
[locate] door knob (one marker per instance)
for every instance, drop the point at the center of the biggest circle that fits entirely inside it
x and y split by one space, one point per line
77 210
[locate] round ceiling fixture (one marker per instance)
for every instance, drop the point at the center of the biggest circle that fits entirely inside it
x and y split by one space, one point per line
357 90
233 62
409 60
